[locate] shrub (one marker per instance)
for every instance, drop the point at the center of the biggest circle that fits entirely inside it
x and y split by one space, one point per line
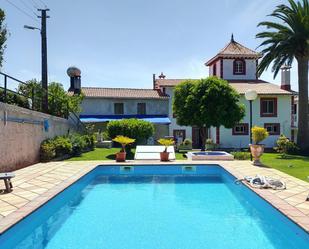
285 146
123 141
137 129
62 145
47 150
78 143
259 134
241 155
187 141
166 142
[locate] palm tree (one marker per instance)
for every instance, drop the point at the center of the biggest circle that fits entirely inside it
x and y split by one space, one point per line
289 39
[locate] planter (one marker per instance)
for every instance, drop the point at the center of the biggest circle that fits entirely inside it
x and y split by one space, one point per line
121 156
164 156
257 151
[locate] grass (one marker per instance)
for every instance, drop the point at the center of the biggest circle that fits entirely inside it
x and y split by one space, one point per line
297 166
109 154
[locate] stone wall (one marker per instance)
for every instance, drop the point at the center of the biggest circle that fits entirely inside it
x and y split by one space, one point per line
21 133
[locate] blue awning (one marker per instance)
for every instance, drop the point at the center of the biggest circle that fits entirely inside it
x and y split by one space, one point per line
155 119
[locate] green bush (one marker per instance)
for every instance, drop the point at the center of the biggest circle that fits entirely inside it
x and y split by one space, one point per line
241 155
78 144
137 129
285 146
47 150
63 146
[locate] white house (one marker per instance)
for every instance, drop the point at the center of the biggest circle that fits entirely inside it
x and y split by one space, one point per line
272 109
234 63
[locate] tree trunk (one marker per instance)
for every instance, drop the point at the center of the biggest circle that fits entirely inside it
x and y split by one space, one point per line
203 135
303 122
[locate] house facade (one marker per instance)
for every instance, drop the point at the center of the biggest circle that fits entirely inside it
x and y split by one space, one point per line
273 109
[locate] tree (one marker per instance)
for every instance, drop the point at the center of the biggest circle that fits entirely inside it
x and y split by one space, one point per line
32 90
289 39
3 35
205 103
60 103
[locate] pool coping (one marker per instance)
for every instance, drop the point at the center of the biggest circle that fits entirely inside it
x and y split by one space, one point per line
295 214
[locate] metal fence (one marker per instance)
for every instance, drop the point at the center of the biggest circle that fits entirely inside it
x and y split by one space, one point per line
7 90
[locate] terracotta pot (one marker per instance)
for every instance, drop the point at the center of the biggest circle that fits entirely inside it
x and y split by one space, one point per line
257 151
121 156
164 156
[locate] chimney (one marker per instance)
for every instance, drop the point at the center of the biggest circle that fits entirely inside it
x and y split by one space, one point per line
154 81
162 76
75 81
286 77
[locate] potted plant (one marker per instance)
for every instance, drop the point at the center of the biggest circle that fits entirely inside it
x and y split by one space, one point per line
257 149
166 142
185 145
210 145
124 141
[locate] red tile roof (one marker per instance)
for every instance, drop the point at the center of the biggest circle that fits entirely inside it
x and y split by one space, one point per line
127 93
241 86
234 50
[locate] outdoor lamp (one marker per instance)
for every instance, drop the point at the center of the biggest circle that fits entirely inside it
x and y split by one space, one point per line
250 95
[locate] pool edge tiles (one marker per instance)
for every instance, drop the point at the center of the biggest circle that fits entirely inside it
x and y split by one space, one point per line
236 168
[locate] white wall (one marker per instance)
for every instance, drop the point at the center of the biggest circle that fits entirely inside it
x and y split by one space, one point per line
104 106
173 125
228 70
227 140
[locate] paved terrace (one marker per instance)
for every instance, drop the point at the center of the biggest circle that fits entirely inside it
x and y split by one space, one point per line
35 185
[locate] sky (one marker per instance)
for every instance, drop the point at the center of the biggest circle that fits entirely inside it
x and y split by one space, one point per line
121 43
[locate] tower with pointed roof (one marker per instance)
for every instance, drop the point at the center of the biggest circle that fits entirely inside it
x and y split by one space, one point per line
234 62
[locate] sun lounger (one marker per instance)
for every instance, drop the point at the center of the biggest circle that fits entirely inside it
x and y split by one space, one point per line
150 152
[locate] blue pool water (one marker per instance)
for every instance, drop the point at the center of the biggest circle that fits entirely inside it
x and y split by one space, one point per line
157 207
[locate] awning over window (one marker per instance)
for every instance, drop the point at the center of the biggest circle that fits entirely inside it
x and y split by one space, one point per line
155 119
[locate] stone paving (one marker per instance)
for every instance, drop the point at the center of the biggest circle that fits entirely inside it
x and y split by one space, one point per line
35 185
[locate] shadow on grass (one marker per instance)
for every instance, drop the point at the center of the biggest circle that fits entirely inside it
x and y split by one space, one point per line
130 156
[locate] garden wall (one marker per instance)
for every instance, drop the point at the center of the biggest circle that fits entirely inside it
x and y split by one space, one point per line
21 133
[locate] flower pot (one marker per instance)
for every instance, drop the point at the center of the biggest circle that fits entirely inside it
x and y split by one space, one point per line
164 156
121 156
257 151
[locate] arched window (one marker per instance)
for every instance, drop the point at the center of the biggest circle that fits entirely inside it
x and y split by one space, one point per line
239 66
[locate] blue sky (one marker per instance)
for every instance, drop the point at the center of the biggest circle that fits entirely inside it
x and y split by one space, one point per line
122 43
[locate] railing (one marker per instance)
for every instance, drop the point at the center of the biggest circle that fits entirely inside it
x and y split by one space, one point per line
79 124
6 90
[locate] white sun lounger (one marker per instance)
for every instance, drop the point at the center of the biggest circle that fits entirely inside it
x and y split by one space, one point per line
152 152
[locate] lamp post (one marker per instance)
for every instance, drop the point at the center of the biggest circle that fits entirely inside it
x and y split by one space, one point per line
44 56
250 95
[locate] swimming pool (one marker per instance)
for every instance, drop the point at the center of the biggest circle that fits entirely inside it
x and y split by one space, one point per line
156 207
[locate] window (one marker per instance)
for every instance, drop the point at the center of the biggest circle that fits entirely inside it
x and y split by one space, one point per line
268 107
179 136
239 66
141 108
241 129
118 108
214 68
273 129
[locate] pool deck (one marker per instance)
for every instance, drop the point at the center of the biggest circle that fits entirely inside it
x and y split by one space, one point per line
35 185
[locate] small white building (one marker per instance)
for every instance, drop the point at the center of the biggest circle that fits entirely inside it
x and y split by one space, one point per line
272 109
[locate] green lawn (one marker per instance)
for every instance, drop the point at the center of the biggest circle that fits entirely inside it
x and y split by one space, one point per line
108 154
297 166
